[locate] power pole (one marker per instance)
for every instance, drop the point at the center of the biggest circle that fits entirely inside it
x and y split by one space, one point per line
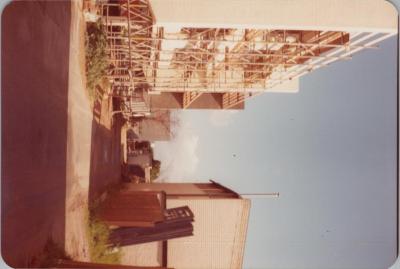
265 194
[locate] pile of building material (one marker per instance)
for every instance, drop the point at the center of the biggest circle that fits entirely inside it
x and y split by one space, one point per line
142 217
178 223
132 209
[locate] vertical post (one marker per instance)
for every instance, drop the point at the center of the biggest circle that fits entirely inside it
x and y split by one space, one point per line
164 260
129 32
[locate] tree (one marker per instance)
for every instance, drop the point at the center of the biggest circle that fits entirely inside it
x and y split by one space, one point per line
96 56
155 169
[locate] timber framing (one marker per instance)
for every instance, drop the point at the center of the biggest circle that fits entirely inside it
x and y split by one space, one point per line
237 63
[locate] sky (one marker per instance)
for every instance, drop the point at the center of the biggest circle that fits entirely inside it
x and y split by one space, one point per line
330 150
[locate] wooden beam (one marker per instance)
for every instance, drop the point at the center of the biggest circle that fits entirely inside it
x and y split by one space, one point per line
208 195
164 247
231 99
225 188
189 97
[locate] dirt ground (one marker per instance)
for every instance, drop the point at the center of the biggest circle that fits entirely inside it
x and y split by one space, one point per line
55 154
93 147
79 139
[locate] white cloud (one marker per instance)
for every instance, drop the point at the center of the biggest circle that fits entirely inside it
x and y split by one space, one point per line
221 118
178 157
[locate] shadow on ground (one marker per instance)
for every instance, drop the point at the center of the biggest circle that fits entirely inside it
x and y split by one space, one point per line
105 161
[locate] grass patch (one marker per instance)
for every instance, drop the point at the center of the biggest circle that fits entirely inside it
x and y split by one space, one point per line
99 250
96 58
99 233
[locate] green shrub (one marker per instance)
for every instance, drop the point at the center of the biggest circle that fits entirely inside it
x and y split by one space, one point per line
96 56
98 232
100 251
155 170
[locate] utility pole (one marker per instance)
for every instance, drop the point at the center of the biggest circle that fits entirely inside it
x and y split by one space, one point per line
265 194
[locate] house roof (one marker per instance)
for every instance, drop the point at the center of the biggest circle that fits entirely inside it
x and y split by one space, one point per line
154 130
220 228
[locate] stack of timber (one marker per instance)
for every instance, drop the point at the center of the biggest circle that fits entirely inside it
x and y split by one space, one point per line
177 223
141 217
132 209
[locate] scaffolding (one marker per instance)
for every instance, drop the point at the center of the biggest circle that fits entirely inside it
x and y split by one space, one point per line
132 20
237 63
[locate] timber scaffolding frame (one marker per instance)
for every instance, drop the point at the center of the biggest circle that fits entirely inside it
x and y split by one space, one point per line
131 19
236 63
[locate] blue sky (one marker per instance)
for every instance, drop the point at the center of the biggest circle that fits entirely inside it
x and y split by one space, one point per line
330 150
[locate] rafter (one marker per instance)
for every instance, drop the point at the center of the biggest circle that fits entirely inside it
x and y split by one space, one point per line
239 63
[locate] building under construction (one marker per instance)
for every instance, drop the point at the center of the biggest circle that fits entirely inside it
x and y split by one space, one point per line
194 54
